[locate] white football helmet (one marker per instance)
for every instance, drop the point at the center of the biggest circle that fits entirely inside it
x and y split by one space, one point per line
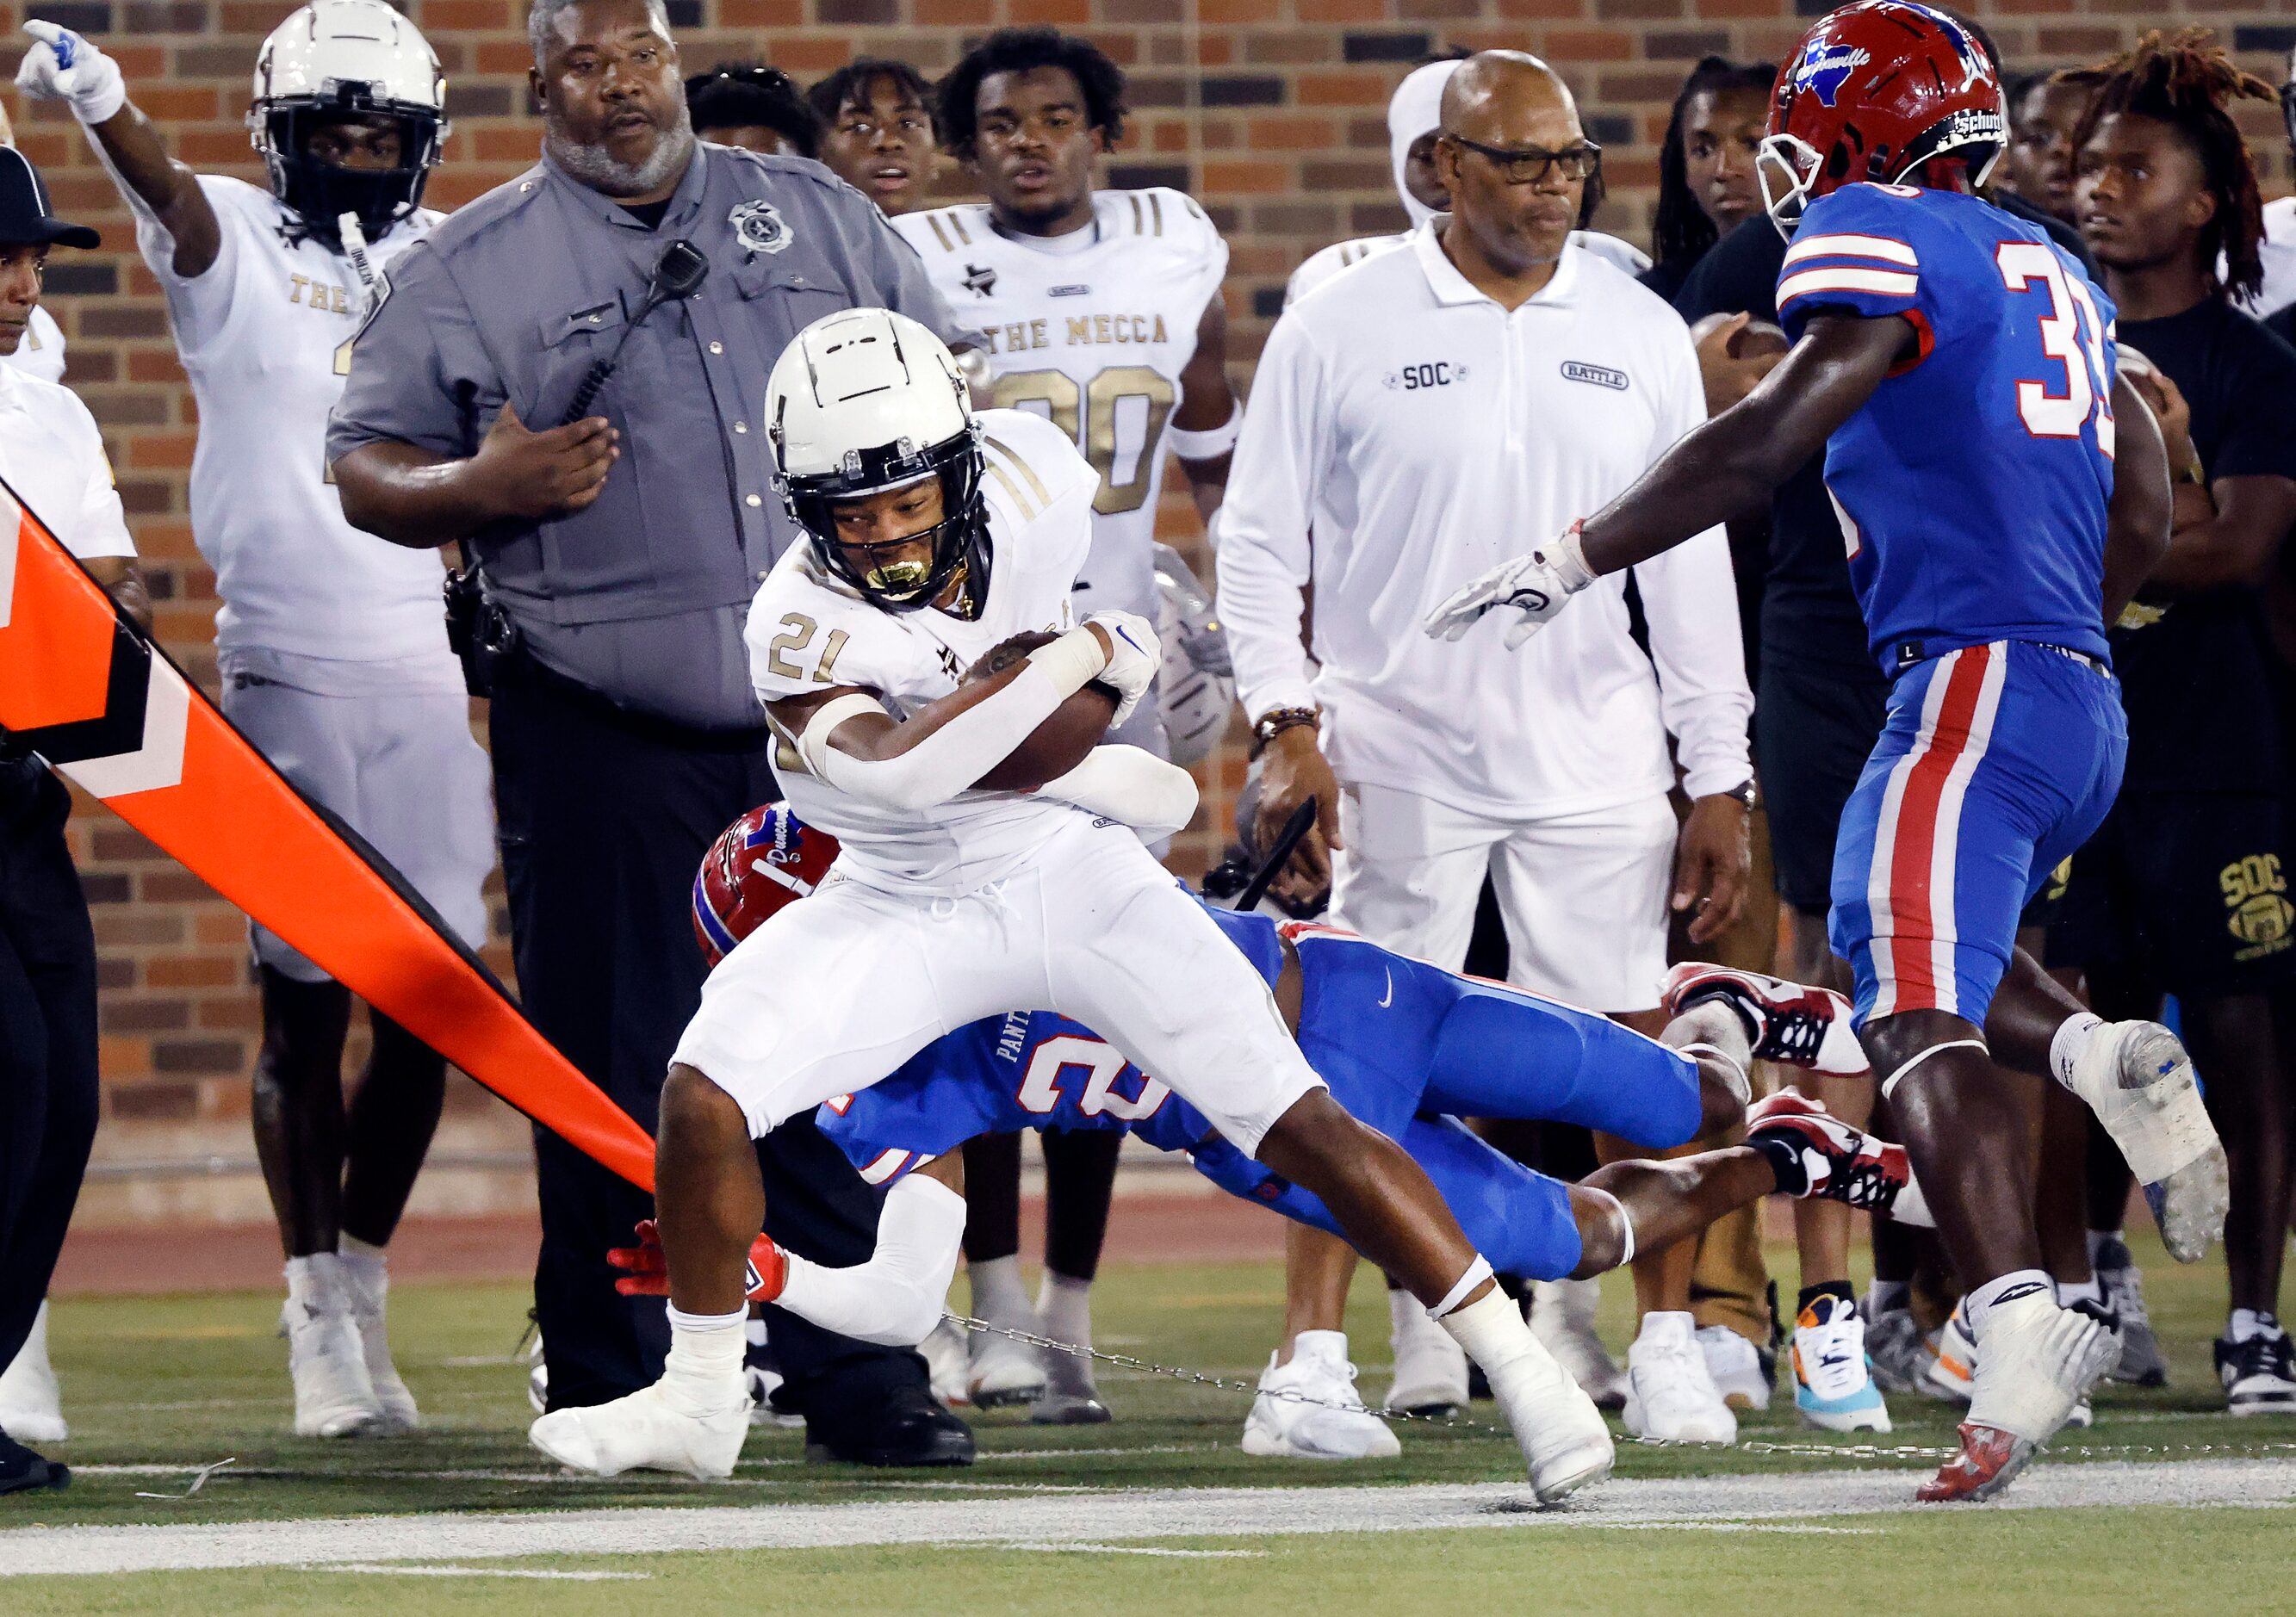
1196 689
867 400
337 59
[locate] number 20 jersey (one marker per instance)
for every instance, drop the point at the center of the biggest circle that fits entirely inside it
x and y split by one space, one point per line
1092 330
1972 484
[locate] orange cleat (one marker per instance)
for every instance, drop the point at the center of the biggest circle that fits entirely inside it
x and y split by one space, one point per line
1990 1461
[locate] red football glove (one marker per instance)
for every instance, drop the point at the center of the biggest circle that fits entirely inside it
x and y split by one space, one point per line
647 1271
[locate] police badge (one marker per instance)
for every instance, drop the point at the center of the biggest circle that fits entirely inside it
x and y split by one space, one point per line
761 227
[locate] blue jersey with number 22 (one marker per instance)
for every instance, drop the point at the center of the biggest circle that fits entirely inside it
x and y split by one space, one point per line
1972 484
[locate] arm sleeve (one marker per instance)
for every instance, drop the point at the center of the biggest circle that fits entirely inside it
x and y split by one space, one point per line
1690 598
1131 786
100 528
1264 556
898 1295
418 369
1856 252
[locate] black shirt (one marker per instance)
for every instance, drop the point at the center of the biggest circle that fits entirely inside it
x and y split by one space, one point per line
1810 614
2195 672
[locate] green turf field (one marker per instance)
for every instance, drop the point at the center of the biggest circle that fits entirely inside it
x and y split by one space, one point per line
156 1388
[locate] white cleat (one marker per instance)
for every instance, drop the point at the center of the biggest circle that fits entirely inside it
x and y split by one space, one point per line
397 1404
1565 1442
1562 1319
1005 1372
334 1395
32 1404
2040 1362
1284 1424
1670 1394
643 1432
1736 1366
947 1361
1430 1369
2137 1079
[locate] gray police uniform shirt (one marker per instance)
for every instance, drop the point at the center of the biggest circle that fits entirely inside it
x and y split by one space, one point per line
642 596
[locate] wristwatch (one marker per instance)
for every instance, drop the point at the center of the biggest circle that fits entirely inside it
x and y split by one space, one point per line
1276 721
1744 792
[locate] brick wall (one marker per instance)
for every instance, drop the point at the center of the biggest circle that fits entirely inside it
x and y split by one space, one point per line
1272 111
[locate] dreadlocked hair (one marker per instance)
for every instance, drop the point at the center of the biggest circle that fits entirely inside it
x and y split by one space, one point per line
2188 81
1680 229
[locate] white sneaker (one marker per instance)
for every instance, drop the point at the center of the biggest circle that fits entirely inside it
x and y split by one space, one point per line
643 1432
947 1362
366 1305
1951 1373
1736 1366
1283 1425
2137 1079
1565 1443
1003 1372
1562 1319
1430 1369
32 1404
1670 1395
1834 1383
334 1396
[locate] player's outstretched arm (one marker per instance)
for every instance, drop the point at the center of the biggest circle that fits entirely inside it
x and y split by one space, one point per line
897 1296
2136 519
1729 467
847 738
63 65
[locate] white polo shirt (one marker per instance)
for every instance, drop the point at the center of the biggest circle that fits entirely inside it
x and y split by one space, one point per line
53 457
1423 434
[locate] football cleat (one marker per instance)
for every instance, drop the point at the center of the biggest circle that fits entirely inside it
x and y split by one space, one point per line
1736 1365
1952 1371
1838 1162
2142 1362
1896 1350
2137 1079
1430 1369
946 1361
21 1471
1670 1394
1562 1319
1834 1383
334 1395
1565 1443
391 1397
2040 1362
1785 1022
32 1404
1005 1372
1309 1410
2258 1375
1070 1397
645 1432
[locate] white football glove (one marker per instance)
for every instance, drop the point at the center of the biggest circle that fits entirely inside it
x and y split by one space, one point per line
61 66
1534 585
1132 668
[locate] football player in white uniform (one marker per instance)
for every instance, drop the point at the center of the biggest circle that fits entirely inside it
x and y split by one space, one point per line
1414 120
1103 311
932 539
333 648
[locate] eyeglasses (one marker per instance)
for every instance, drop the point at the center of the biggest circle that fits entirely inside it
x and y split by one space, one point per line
1530 164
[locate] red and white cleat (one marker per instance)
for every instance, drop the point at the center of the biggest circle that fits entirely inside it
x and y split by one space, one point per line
1829 1159
1787 1022
1990 1461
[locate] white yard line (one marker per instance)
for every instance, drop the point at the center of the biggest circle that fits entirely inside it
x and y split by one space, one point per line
388 1570
1095 1518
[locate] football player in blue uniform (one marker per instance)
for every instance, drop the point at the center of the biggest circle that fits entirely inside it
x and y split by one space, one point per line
2002 493
1405 1048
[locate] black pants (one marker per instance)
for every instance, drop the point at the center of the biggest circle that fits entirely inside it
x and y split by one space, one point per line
603 821
47 1042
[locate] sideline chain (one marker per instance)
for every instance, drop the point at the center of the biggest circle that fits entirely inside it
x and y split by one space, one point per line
1928 1453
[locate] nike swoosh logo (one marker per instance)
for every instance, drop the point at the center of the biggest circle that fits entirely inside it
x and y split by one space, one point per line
1383 1004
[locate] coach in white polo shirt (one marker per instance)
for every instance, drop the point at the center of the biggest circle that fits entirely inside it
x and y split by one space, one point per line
1419 413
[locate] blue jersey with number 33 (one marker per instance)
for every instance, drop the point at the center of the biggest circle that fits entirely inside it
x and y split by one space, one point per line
1972 484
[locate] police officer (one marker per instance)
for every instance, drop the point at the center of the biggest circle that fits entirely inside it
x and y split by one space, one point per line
51 458
620 527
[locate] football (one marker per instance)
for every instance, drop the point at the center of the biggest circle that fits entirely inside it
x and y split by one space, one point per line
1062 741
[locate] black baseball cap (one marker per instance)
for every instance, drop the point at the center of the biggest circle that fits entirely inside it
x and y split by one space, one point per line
24 213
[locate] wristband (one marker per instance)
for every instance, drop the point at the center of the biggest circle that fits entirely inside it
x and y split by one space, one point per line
1209 444
1072 661
1276 721
1569 557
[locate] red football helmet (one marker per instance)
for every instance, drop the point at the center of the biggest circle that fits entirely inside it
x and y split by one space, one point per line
764 859
1874 90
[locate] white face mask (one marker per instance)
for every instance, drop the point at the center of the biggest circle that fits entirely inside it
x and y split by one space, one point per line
1416 110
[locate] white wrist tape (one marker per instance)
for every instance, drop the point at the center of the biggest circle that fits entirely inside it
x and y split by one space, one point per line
1075 659
1568 556
1131 786
1211 443
897 1296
